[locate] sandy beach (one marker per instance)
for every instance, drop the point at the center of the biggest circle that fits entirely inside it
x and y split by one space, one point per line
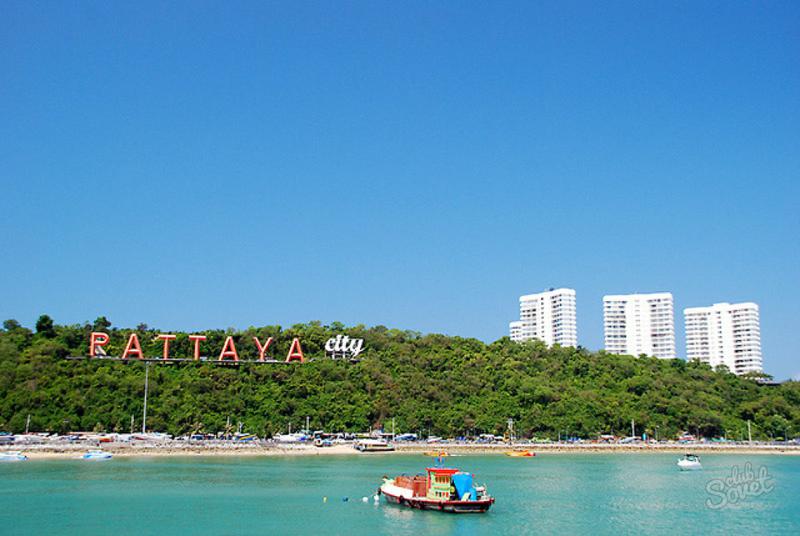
42 452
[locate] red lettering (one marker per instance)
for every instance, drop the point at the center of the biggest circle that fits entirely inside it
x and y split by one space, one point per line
97 340
133 347
295 352
197 339
166 338
229 350
262 349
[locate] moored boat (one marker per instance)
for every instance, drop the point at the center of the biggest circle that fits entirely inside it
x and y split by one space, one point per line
520 454
12 456
296 437
96 455
441 488
374 445
689 462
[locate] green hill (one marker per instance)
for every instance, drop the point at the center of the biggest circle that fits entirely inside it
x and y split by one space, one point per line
430 383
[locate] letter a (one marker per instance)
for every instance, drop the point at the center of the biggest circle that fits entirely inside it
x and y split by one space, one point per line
133 347
226 352
295 352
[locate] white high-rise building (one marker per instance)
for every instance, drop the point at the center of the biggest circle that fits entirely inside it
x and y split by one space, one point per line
548 316
725 334
638 324
515 330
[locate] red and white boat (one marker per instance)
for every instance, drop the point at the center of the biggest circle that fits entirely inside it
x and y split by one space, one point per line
443 489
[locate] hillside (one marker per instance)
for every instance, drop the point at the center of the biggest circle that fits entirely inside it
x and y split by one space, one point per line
429 383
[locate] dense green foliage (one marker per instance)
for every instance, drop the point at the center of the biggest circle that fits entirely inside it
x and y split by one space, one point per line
431 383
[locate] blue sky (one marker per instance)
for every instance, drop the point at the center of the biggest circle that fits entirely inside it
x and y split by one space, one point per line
420 166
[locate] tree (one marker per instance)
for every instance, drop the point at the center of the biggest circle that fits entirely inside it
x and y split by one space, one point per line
101 324
11 324
757 376
44 326
443 385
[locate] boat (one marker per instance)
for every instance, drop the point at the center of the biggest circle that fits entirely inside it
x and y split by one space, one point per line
12 456
296 437
689 462
96 455
374 445
150 437
520 454
442 489
436 453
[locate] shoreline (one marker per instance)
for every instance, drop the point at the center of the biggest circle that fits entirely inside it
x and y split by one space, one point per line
45 452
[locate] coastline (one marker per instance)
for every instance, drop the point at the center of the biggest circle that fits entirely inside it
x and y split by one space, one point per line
121 450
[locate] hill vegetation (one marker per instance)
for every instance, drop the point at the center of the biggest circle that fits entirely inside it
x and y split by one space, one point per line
433 384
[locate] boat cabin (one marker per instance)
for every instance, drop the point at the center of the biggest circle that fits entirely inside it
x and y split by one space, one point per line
439 482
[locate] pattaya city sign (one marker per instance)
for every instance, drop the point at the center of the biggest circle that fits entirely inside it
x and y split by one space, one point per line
339 347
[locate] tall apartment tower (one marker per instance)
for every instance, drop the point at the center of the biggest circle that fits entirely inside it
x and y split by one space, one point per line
725 334
548 316
640 324
515 330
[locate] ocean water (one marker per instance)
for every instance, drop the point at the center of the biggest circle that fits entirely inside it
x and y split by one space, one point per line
572 494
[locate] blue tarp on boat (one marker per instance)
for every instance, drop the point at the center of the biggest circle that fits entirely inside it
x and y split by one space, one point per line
463 484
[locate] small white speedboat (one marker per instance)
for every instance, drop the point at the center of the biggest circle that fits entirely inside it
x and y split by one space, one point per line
12 456
690 462
96 455
291 438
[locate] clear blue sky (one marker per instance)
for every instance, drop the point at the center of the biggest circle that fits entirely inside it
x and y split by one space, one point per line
420 166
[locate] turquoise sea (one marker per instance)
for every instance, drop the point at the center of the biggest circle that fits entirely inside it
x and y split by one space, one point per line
557 493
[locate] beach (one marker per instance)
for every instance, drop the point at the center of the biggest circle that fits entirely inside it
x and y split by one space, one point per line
175 448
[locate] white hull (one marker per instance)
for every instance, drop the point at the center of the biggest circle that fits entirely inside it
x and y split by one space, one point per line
396 491
684 465
374 445
290 438
96 456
